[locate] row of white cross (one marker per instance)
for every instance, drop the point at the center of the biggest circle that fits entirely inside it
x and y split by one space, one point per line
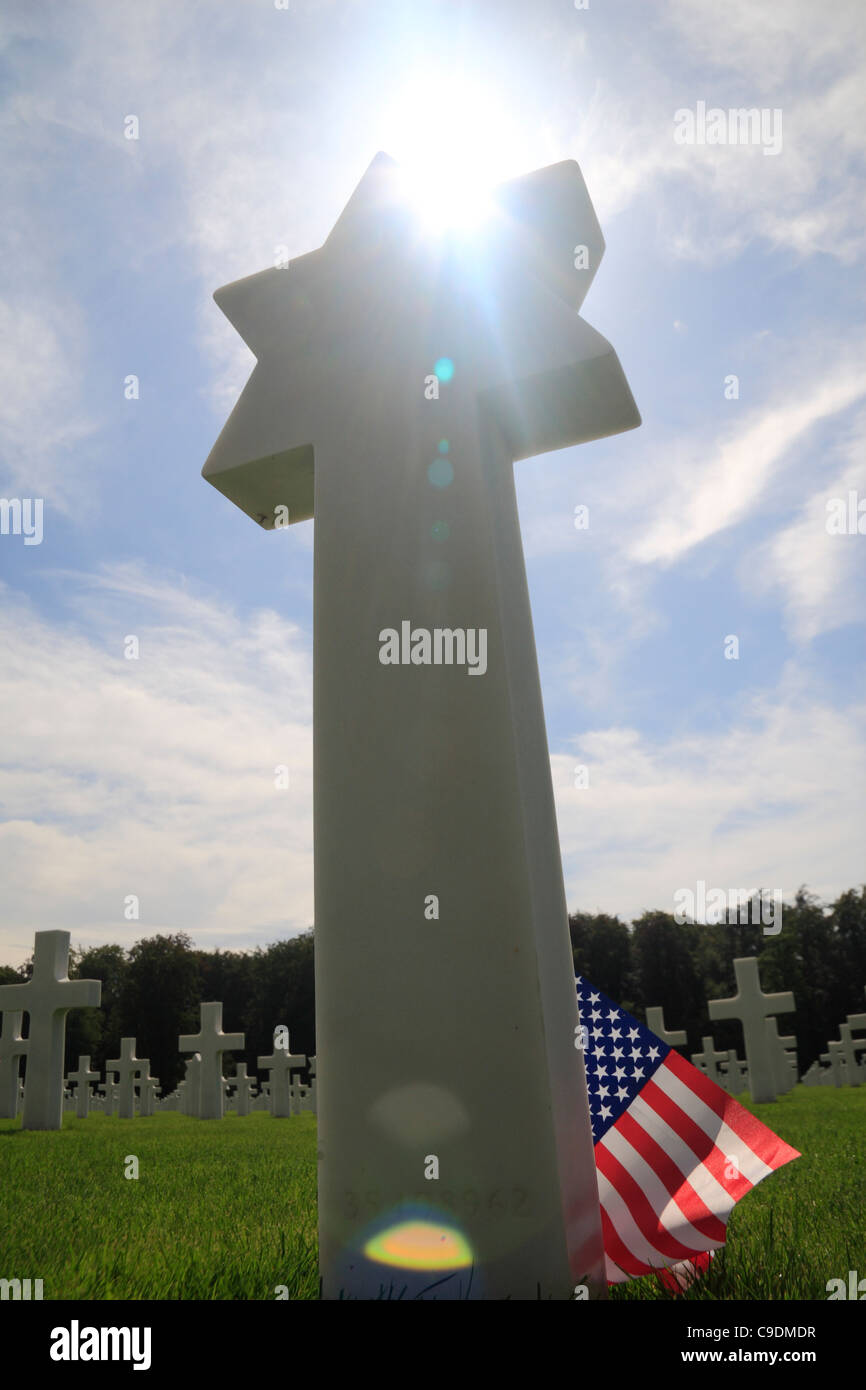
770 1068
48 996
283 1095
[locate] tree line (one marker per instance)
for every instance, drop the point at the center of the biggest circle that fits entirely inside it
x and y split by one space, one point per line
152 990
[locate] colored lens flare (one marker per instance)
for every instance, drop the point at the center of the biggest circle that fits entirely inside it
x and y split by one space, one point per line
440 473
444 369
420 1245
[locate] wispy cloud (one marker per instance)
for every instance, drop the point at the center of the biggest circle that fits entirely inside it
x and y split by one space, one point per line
736 469
818 575
155 776
768 802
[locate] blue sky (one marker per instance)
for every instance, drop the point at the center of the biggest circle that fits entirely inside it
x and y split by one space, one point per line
155 777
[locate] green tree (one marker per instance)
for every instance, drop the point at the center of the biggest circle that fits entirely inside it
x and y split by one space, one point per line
96 1031
601 947
283 992
664 971
159 1001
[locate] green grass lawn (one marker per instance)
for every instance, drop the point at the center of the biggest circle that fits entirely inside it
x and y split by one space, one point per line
221 1208
227 1209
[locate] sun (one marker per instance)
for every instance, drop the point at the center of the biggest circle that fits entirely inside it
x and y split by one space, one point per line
454 141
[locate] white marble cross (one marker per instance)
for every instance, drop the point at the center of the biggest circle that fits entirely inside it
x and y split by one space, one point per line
244 1087
751 1007
849 1047
280 1065
12 1048
109 1093
148 1092
190 1087
707 1059
297 1094
47 997
82 1079
394 388
127 1067
210 1043
734 1072
783 1079
313 1085
655 1021
837 1064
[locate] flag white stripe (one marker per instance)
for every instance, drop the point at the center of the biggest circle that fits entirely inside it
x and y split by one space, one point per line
708 1188
751 1166
669 1214
627 1228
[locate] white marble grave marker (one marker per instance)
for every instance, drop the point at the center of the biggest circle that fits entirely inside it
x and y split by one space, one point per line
655 1021
751 1007
396 383
191 1087
148 1092
280 1065
782 1078
12 1048
109 1093
128 1068
209 1044
848 1049
82 1079
47 998
244 1087
837 1064
707 1059
311 1100
734 1072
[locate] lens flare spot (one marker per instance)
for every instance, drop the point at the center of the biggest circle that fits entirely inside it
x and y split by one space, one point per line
420 1245
444 369
440 473
439 576
444 446
440 530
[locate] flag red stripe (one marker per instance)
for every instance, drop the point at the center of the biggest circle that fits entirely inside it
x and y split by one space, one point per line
690 1203
761 1140
697 1139
641 1211
619 1253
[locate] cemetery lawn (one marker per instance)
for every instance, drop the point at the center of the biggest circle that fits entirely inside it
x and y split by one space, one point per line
221 1209
227 1209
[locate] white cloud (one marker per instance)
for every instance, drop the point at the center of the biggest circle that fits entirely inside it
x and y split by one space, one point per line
733 472
711 202
154 777
773 800
41 416
818 575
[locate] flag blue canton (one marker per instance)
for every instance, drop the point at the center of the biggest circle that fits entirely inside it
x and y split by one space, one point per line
620 1056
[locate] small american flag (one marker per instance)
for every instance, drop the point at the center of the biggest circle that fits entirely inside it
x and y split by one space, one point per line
673 1151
